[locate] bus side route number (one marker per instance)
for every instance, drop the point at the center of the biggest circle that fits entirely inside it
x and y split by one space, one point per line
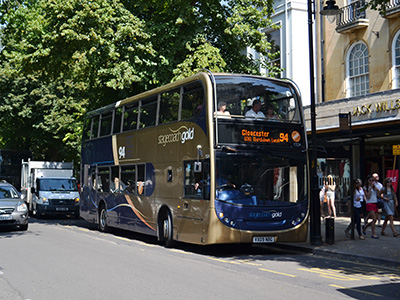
263 239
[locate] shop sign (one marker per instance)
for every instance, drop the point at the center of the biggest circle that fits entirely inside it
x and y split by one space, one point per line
394 175
396 149
385 106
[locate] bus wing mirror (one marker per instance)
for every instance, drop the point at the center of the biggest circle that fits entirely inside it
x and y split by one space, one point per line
197 164
197 167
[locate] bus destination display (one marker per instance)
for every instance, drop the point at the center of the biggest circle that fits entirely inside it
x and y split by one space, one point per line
242 134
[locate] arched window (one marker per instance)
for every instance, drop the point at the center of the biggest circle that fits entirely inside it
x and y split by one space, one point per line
396 61
357 63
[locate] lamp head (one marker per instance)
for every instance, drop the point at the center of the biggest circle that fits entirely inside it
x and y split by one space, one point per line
330 9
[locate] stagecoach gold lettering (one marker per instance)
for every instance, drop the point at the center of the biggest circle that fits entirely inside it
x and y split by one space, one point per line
182 134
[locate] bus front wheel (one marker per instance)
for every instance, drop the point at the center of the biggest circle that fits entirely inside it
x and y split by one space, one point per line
167 230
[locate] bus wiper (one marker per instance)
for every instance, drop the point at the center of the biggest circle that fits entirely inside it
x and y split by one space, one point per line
228 149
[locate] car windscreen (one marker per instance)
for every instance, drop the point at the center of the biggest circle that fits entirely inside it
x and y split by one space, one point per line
8 192
62 184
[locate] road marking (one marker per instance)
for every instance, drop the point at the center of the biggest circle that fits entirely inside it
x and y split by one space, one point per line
83 229
123 239
180 251
253 264
356 290
224 261
332 274
275 272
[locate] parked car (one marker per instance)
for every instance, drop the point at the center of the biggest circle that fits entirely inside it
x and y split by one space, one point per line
13 210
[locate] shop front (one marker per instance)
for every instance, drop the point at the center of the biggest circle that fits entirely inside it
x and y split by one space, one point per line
367 142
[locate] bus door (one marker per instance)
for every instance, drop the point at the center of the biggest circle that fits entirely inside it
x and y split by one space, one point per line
88 193
195 201
104 193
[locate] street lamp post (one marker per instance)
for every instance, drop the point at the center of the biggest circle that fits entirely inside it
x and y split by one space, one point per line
315 213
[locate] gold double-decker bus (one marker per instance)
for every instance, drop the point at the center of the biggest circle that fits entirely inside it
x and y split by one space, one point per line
213 158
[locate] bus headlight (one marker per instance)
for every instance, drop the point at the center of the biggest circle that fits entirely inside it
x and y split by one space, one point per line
226 219
298 219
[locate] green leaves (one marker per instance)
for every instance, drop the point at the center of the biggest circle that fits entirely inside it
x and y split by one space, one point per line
62 58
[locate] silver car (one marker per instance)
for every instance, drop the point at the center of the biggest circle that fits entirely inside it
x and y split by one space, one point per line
13 210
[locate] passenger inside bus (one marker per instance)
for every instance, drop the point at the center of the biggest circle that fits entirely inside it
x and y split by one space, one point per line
222 109
271 113
255 112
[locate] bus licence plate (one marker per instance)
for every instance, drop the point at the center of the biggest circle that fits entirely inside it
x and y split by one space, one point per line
6 217
263 239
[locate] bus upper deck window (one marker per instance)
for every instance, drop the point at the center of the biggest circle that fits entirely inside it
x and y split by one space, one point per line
105 123
169 106
130 117
117 120
95 127
148 112
192 100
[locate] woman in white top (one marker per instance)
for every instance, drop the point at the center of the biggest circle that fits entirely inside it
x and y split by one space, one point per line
371 193
358 198
330 188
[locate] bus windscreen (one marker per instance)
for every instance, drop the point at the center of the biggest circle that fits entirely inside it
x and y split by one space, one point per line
264 181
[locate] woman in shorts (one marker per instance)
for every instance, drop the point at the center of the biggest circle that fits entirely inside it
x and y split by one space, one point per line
371 192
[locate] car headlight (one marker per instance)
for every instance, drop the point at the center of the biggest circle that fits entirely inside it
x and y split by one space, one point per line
22 207
76 201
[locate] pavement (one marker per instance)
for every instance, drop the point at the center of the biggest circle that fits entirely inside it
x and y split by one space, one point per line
384 251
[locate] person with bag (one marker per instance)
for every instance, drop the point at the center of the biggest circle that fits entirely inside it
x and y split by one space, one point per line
390 203
359 198
371 192
322 200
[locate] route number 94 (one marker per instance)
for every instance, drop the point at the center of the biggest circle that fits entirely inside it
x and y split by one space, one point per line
121 152
284 137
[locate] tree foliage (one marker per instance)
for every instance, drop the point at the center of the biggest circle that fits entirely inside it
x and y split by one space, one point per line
379 5
61 58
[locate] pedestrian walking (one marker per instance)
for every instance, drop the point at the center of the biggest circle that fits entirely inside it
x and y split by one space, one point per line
379 186
358 198
390 203
371 192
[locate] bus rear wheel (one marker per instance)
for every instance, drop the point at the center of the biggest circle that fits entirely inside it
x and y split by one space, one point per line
167 230
103 227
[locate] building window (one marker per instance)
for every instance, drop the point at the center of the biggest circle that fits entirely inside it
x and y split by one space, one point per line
275 59
396 61
357 70
274 38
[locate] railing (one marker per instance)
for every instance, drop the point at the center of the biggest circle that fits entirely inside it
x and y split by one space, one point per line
351 13
392 4
392 9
